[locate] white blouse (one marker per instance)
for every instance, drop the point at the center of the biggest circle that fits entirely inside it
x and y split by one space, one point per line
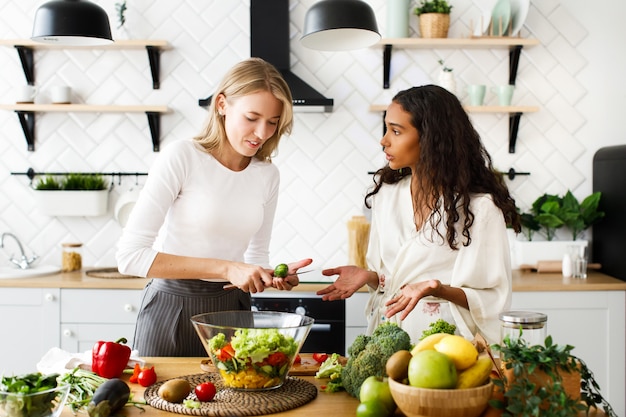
402 255
192 205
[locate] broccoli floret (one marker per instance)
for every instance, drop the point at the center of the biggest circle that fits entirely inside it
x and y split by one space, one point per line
369 355
358 345
439 326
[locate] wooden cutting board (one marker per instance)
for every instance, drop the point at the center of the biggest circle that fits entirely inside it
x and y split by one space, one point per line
307 367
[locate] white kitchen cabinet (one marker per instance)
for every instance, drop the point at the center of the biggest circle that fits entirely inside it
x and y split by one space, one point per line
89 315
594 322
30 326
356 322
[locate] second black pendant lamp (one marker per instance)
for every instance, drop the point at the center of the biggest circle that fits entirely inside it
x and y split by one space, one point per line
340 25
71 22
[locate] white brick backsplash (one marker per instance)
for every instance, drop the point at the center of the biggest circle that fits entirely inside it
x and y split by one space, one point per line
324 163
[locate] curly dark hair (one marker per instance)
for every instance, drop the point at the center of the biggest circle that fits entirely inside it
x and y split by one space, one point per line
453 164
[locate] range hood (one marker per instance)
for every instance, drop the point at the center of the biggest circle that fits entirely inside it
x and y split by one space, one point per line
269 39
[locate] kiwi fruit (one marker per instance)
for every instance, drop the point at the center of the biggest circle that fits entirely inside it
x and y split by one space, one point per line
174 390
397 366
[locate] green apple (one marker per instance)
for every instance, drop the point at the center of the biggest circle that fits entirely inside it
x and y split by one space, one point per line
372 408
376 389
432 369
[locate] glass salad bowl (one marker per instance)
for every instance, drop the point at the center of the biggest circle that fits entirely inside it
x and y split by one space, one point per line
252 350
44 403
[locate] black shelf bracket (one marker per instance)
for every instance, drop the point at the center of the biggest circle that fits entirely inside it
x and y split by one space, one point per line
514 54
513 127
27 121
154 121
154 54
386 65
28 63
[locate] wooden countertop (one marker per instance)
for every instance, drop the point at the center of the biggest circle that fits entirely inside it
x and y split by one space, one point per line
338 404
522 281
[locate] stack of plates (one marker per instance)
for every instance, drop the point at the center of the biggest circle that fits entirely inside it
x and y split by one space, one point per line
505 16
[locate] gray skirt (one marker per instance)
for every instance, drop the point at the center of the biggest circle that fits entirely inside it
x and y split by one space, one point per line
164 322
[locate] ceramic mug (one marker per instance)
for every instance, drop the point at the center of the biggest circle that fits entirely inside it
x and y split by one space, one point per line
125 205
476 94
26 94
504 93
60 94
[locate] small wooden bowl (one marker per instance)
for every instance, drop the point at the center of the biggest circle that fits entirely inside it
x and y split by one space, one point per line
425 402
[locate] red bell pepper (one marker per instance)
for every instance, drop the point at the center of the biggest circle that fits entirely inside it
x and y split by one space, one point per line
109 359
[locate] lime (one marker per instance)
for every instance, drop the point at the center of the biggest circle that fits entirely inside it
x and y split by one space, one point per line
281 270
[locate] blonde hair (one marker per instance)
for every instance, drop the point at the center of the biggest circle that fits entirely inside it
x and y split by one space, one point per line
248 77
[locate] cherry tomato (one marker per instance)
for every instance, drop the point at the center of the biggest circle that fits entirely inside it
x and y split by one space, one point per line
205 391
298 359
320 357
147 377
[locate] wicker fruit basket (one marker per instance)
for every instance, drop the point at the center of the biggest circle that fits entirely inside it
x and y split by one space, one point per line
434 25
424 402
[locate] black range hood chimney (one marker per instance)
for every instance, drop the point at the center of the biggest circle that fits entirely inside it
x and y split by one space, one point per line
269 39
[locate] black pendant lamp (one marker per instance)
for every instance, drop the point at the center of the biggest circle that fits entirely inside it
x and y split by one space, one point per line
340 25
71 22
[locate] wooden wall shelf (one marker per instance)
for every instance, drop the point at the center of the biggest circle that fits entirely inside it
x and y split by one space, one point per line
26 115
25 48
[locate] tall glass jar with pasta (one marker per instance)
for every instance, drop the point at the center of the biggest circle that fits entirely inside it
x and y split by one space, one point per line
71 257
358 239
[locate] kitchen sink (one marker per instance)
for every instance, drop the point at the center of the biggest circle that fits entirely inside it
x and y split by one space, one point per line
7 272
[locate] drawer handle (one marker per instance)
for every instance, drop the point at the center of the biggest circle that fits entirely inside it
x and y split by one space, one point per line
49 297
129 308
67 333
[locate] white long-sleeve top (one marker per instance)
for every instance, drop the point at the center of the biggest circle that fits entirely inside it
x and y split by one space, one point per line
192 205
404 255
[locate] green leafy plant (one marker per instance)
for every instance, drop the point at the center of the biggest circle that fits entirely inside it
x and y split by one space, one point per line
433 6
551 212
74 181
120 8
48 183
523 397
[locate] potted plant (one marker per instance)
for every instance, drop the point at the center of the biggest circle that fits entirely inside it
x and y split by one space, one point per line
548 214
74 195
446 78
434 18
544 380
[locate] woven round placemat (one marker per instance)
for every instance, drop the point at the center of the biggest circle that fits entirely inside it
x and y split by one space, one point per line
108 273
294 393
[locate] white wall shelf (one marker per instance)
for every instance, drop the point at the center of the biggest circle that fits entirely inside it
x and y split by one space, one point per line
26 115
25 48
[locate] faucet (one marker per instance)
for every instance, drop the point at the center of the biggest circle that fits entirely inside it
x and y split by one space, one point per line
23 262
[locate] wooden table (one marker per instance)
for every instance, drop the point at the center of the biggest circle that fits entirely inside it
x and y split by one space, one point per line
325 404
338 404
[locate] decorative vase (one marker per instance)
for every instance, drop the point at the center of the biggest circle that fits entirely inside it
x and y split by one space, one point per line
434 25
447 81
398 18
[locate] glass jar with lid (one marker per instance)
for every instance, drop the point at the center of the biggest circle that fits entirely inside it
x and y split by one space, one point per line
533 326
71 257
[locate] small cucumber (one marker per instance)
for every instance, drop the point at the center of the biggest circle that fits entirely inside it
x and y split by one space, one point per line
109 398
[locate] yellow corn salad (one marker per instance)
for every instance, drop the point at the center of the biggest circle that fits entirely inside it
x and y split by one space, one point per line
248 379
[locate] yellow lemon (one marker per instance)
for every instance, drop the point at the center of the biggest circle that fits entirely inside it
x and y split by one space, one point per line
429 342
459 349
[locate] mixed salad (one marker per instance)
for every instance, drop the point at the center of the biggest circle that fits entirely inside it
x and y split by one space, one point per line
32 395
253 358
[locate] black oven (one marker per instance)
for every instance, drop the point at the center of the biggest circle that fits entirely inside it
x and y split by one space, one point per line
328 334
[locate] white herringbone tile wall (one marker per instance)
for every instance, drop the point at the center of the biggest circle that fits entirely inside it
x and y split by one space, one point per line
324 163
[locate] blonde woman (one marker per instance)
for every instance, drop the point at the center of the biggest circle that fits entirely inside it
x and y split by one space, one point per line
204 217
